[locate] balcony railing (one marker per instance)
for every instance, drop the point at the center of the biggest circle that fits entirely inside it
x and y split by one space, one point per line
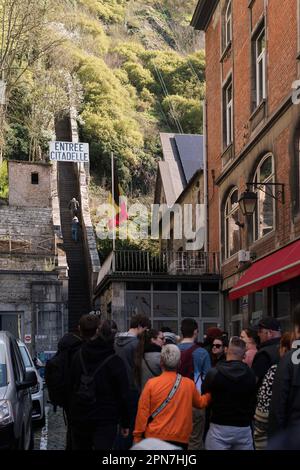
167 262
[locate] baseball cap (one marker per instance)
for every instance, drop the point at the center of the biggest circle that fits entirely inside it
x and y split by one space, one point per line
269 323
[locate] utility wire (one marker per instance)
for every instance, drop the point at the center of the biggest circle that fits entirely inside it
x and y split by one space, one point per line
172 110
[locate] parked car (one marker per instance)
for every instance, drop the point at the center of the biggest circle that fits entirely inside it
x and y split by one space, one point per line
37 392
15 397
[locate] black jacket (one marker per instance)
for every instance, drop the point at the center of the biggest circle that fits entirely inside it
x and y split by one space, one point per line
233 389
285 404
69 343
267 356
111 384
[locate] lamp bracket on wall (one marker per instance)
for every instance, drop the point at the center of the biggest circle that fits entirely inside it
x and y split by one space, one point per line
278 194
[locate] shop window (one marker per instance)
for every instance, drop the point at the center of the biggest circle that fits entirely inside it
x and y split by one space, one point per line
165 286
190 305
210 286
139 303
165 305
173 324
189 286
264 215
138 286
282 305
209 305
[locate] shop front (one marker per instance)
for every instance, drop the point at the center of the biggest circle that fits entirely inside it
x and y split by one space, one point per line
270 287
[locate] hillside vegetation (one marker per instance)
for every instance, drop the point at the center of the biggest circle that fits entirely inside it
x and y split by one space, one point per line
131 68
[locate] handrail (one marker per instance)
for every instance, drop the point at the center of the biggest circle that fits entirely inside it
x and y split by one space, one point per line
166 262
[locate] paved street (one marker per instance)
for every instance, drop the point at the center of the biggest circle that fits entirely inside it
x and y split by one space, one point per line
52 435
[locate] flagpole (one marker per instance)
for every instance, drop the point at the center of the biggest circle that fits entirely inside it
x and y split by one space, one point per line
113 200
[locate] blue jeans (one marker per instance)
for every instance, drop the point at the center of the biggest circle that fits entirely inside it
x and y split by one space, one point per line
75 233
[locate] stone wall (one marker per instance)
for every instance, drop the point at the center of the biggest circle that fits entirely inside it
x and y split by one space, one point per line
25 294
22 191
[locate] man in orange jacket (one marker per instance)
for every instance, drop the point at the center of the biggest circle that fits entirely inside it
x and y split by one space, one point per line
169 421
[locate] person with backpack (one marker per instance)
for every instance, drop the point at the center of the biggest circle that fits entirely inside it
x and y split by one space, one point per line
98 393
165 405
57 371
74 207
195 363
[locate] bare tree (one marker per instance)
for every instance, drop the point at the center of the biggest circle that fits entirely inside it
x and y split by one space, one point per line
25 36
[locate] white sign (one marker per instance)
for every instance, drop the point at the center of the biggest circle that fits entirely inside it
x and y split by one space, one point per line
27 339
69 152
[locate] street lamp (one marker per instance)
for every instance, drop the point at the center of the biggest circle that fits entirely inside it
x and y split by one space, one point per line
248 202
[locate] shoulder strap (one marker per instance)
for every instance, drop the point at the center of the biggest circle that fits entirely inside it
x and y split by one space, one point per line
190 351
147 364
98 368
167 400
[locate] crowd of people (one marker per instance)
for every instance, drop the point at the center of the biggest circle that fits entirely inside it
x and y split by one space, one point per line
124 388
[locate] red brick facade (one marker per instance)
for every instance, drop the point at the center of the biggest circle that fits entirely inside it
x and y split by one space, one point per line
271 127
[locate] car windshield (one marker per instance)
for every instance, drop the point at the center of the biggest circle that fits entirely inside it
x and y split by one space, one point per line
3 370
25 356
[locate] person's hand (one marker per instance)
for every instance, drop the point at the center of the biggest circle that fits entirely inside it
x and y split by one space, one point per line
125 432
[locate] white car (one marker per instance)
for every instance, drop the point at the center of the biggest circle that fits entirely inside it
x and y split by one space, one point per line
37 392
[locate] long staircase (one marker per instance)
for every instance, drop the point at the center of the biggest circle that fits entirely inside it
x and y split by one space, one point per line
79 301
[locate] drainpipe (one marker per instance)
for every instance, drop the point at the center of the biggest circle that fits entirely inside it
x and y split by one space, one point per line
205 172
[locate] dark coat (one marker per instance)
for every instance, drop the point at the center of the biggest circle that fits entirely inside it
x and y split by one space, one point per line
233 390
267 356
71 343
285 404
111 384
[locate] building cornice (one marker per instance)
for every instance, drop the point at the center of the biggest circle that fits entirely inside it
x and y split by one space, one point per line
203 13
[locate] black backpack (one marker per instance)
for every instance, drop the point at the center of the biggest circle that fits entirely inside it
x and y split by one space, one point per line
86 394
56 377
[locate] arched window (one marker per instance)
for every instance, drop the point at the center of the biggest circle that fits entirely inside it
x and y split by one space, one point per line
231 229
264 215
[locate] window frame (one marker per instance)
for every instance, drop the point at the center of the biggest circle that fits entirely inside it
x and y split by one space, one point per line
227 216
257 212
228 113
228 22
260 58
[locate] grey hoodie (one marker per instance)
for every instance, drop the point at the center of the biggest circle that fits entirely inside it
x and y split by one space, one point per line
125 347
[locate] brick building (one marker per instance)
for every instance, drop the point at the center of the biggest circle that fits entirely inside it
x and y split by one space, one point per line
253 135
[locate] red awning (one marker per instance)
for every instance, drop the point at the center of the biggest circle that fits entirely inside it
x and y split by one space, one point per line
274 269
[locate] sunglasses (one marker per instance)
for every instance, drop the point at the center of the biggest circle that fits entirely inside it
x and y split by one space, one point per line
218 346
